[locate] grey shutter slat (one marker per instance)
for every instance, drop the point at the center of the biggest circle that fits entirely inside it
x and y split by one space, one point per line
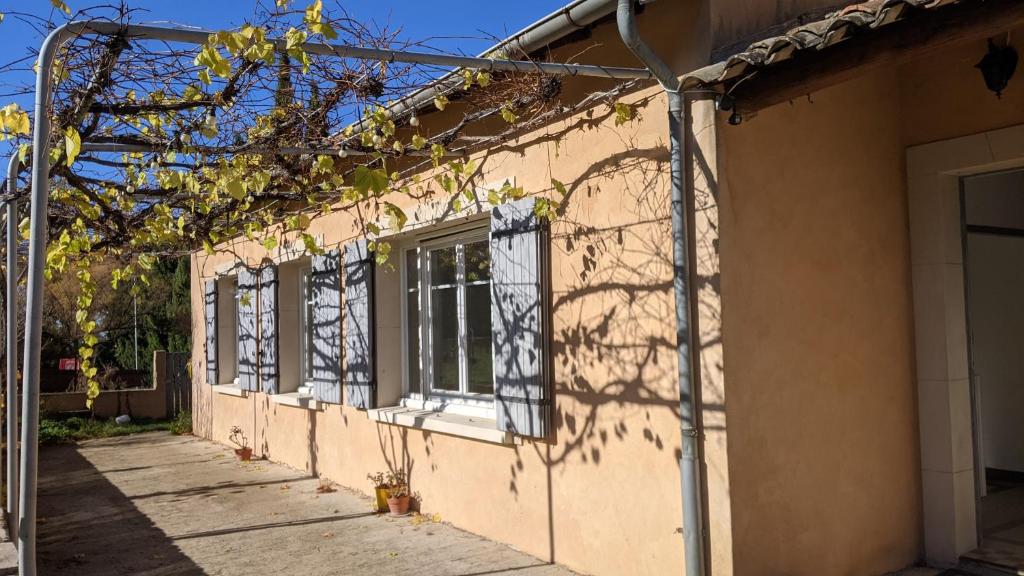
269 368
360 381
248 303
210 305
519 320
326 294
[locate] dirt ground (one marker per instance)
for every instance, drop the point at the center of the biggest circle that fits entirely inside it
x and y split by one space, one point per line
157 504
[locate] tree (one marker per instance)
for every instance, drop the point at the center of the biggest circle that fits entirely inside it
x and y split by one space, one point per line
216 117
164 313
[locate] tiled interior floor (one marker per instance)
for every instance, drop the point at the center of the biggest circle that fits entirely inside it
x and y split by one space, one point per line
1002 517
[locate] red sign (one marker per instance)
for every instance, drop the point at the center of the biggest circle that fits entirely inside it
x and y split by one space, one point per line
68 364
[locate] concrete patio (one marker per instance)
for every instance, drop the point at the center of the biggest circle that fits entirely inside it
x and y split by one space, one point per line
157 504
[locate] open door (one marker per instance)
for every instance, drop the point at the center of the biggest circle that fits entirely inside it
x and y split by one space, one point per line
994 273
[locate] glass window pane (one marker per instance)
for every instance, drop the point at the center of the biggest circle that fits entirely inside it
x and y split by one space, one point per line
307 325
444 354
442 266
478 336
412 322
478 261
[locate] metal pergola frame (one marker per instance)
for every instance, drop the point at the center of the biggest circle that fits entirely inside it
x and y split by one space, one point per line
21 497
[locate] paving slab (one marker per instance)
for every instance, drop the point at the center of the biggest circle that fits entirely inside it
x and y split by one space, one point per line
157 504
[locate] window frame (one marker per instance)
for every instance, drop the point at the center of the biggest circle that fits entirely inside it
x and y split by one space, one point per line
226 287
422 394
306 385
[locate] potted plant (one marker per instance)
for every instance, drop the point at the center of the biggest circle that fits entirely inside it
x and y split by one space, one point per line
238 438
380 490
398 493
398 499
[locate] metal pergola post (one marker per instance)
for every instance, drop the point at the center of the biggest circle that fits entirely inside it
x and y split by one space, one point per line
40 201
11 204
11 340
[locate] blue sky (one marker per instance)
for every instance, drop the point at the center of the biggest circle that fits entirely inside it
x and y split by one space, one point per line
450 22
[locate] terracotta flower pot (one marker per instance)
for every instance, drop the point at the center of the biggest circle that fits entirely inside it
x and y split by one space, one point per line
382 498
398 506
244 454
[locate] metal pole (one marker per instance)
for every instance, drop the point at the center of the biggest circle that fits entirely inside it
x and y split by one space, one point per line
11 314
135 314
115 146
384 55
690 483
34 304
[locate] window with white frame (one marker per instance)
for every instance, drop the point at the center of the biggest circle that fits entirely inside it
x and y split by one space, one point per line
447 322
227 329
292 311
306 327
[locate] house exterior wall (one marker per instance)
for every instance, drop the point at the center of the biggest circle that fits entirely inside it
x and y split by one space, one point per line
824 442
816 294
600 485
804 280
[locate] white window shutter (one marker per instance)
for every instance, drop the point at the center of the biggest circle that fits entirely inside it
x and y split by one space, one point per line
326 294
269 370
248 303
519 320
210 305
360 381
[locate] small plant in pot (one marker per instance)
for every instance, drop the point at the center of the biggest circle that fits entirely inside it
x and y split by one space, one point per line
238 438
380 490
398 493
398 499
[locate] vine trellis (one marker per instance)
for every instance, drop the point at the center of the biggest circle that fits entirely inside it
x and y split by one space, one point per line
235 138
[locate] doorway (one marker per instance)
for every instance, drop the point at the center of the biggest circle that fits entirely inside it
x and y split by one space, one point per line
993 242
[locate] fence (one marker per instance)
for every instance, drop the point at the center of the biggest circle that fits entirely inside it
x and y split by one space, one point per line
170 393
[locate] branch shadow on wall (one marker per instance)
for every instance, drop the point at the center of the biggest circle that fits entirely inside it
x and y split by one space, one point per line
614 343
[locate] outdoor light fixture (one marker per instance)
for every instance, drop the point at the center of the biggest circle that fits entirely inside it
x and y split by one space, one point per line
998 66
725 103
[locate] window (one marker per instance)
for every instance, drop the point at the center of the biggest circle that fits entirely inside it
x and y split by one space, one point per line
227 330
448 319
306 325
293 342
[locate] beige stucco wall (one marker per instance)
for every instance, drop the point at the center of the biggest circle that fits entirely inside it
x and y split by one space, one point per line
816 293
803 271
608 481
602 495
818 315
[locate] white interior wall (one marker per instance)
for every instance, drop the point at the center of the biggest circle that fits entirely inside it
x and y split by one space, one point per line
996 283
995 272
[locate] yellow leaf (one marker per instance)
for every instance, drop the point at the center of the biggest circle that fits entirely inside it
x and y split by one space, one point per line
13 121
72 145
61 5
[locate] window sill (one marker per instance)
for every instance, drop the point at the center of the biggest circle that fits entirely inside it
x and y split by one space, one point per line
296 399
230 390
443 423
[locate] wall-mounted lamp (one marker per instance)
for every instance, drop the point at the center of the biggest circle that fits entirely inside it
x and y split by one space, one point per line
725 103
998 66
